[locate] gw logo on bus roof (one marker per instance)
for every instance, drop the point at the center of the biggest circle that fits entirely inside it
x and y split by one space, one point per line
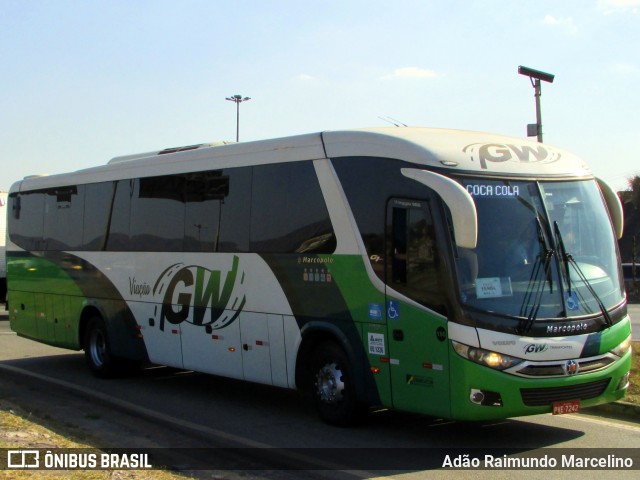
498 153
195 295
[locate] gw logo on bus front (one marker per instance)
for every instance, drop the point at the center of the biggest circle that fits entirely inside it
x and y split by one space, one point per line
536 348
196 295
498 153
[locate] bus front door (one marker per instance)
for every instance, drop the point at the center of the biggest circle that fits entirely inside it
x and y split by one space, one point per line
418 349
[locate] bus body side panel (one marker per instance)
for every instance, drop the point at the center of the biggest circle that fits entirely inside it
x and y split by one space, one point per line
332 293
409 344
419 359
42 296
49 293
208 313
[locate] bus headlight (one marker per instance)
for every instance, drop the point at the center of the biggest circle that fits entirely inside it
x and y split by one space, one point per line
623 348
499 361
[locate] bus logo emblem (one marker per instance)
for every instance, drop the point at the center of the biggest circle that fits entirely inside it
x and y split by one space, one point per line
200 296
498 153
536 348
571 368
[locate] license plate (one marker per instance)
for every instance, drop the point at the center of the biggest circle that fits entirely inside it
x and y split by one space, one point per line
561 408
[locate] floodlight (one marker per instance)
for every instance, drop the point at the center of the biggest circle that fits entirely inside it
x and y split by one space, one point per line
530 72
535 129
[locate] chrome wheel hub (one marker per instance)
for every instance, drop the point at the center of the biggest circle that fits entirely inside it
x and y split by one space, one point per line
329 384
97 348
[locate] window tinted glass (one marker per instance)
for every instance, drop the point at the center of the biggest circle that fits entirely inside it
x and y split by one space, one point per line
394 216
118 238
518 267
157 214
63 218
97 206
413 263
205 195
235 211
198 212
369 183
25 219
288 211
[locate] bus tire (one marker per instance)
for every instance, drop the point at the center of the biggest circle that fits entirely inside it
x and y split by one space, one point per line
97 351
332 386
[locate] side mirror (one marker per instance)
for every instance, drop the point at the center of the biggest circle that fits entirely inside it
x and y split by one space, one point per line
614 206
463 209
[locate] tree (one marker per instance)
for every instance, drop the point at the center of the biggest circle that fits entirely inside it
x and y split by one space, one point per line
631 205
634 187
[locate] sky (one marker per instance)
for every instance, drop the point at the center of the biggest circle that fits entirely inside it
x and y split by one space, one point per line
83 81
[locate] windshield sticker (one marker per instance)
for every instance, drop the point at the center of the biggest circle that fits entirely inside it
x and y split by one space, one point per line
393 310
493 287
375 311
419 381
407 203
572 300
490 190
376 343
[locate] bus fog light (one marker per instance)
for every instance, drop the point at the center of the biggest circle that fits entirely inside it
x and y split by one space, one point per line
476 396
485 398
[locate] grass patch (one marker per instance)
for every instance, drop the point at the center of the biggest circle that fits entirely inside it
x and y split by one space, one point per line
20 430
633 392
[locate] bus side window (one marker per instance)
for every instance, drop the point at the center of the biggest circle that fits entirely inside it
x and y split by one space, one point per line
26 226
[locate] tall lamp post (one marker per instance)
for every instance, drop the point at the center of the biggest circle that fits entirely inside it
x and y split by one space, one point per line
535 76
238 100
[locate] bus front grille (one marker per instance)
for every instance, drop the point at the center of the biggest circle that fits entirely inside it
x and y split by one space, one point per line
556 369
537 397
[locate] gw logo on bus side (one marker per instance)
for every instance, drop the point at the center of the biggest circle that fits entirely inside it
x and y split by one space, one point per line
498 153
195 295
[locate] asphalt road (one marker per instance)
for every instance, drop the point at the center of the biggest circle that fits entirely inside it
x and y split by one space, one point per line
184 411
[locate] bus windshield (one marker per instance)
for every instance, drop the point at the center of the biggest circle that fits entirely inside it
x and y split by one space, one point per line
545 250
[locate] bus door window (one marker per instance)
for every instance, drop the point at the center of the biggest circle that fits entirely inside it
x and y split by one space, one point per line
413 266
399 240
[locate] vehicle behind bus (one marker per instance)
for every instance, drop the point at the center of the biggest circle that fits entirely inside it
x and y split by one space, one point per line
3 235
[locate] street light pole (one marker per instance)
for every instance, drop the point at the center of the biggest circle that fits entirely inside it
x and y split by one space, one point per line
535 76
237 99
537 89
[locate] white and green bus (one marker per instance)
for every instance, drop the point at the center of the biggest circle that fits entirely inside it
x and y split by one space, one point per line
455 274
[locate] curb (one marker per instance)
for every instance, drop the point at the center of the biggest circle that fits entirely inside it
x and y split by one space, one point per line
629 411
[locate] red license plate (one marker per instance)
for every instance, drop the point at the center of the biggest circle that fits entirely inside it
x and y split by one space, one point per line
561 408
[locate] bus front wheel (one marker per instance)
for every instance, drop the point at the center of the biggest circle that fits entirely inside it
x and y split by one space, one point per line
96 349
333 387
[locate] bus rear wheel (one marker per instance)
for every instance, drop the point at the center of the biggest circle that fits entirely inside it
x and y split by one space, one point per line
97 351
333 387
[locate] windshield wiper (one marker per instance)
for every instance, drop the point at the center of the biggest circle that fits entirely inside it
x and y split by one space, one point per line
564 257
535 288
548 253
567 259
